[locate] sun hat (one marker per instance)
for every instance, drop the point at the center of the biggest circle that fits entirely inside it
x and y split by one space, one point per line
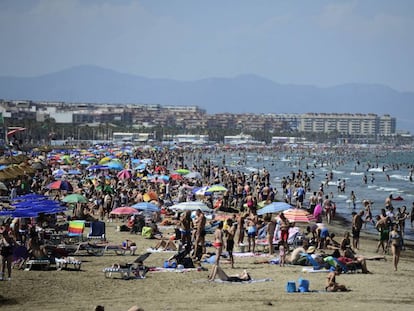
311 249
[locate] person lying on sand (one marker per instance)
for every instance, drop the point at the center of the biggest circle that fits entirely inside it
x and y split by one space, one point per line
217 271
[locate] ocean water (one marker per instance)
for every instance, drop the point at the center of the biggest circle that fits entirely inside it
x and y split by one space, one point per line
349 165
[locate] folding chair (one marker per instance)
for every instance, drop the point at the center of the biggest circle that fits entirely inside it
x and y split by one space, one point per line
97 231
75 229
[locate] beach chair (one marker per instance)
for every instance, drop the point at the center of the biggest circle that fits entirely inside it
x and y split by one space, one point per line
97 231
75 230
43 264
312 262
20 255
136 269
62 263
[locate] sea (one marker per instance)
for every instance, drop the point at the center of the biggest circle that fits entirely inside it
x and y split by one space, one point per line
387 171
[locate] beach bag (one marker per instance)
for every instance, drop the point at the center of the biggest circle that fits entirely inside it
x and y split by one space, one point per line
146 232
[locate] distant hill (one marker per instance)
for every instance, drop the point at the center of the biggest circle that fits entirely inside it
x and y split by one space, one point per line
241 94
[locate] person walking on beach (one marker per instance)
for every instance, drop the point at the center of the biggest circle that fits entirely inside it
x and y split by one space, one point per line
353 199
6 253
395 240
382 228
357 224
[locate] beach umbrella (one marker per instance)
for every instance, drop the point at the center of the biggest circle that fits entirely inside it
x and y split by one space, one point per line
216 188
74 172
191 206
15 131
30 196
274 207
193 175
59 172
75 198
146 207
124 174
60 185
115 165
124 210
140 167
150 196
159 178
97 167
200 190
182 171
104 160
298 215
175 176
105 189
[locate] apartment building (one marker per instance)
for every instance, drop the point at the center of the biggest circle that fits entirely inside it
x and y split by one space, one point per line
192 117
347 123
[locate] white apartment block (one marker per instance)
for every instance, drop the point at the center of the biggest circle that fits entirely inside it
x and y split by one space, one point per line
347 123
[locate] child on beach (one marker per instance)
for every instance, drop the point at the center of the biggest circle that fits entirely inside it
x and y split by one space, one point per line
282 255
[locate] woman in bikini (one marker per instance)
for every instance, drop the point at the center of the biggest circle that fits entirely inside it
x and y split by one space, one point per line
395 241
218 241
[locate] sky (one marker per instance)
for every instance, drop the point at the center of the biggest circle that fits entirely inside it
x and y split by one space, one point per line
318 42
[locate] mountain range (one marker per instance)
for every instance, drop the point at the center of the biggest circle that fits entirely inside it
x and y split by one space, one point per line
240 94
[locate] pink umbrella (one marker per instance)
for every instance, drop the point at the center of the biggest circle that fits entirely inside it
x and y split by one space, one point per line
124 174
124 210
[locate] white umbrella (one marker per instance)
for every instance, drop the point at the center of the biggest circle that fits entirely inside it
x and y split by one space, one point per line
191 206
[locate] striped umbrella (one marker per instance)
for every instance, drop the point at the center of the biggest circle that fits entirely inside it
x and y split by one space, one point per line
298 215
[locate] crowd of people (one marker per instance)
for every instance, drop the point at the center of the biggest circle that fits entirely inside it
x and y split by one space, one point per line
154 178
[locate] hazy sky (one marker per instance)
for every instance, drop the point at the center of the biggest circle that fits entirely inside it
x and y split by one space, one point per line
314 42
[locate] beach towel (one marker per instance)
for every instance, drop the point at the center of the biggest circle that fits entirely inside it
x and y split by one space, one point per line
159 250
162 269
244 282
233 282
250 254
311 270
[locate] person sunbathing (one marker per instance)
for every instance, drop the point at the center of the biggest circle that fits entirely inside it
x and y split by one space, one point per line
332 285
166 245
218 272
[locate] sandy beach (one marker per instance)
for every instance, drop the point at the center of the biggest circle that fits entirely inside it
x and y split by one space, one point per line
384 289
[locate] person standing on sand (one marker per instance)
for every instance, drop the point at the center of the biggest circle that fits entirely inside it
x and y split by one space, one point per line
271 226
395 241
382 228
218 241
200 231
357 224
6 253
230 232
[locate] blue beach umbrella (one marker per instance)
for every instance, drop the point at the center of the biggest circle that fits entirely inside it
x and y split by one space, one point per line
146 207
274 207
